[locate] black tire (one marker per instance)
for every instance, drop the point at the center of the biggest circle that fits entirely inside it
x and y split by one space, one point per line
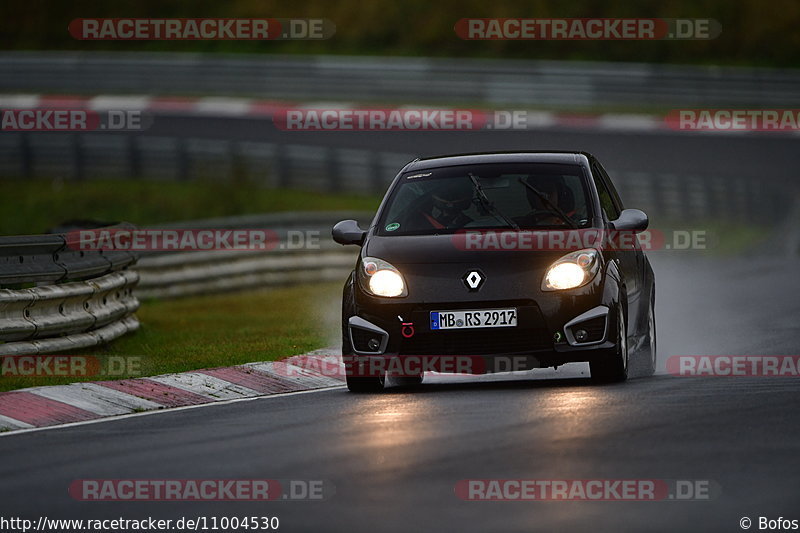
409 381
650 351
365 384
348 310
613 367
361 384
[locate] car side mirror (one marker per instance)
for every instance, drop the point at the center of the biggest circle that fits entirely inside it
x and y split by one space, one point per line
348 232
631 220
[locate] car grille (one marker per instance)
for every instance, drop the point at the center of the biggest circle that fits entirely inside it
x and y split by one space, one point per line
494 341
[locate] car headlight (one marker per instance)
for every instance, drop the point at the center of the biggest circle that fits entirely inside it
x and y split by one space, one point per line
379 278
573 270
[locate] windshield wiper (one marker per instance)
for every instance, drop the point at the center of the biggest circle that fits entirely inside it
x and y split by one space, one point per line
553 207
488 204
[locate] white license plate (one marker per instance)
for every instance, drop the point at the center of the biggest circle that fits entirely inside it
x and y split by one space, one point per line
479 318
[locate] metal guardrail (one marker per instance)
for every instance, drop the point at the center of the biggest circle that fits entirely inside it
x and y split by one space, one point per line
88 298
55 258
400 79
180 274
188 274
334 169
82 298
97 155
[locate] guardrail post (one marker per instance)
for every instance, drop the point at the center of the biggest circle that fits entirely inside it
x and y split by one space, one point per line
182 160
333 170
659 201
710 198
134 157
237 164
26 156
734 205
684 189
376 170
79 162
284 178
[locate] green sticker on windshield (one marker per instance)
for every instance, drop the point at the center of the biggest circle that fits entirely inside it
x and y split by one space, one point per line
393 226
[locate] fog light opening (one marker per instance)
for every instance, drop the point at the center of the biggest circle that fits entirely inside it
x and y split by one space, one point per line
581 335
374 345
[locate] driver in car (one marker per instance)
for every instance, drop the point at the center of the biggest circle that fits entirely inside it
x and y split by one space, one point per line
447 206
547 195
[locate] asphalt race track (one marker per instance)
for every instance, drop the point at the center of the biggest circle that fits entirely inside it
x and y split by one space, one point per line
395 458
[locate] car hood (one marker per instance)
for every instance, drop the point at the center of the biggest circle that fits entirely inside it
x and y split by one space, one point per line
491 248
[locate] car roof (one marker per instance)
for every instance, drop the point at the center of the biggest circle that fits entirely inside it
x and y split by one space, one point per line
556 157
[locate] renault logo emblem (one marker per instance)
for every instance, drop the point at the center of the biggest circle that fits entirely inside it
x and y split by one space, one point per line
473 280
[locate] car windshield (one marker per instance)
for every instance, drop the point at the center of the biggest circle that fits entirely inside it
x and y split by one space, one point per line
487 196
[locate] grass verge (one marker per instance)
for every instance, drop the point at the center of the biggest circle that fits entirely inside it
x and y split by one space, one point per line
709 237
215 330
33 206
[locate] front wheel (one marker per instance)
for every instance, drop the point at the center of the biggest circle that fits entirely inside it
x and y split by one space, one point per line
409 381
613 367
650 348
355 382
365 384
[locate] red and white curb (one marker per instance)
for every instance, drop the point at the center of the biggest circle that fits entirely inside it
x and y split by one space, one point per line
213 106
255 108
79 402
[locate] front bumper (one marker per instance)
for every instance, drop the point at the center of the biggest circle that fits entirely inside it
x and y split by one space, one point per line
579 331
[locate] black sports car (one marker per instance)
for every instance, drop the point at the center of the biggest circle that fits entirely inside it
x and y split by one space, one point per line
495 262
